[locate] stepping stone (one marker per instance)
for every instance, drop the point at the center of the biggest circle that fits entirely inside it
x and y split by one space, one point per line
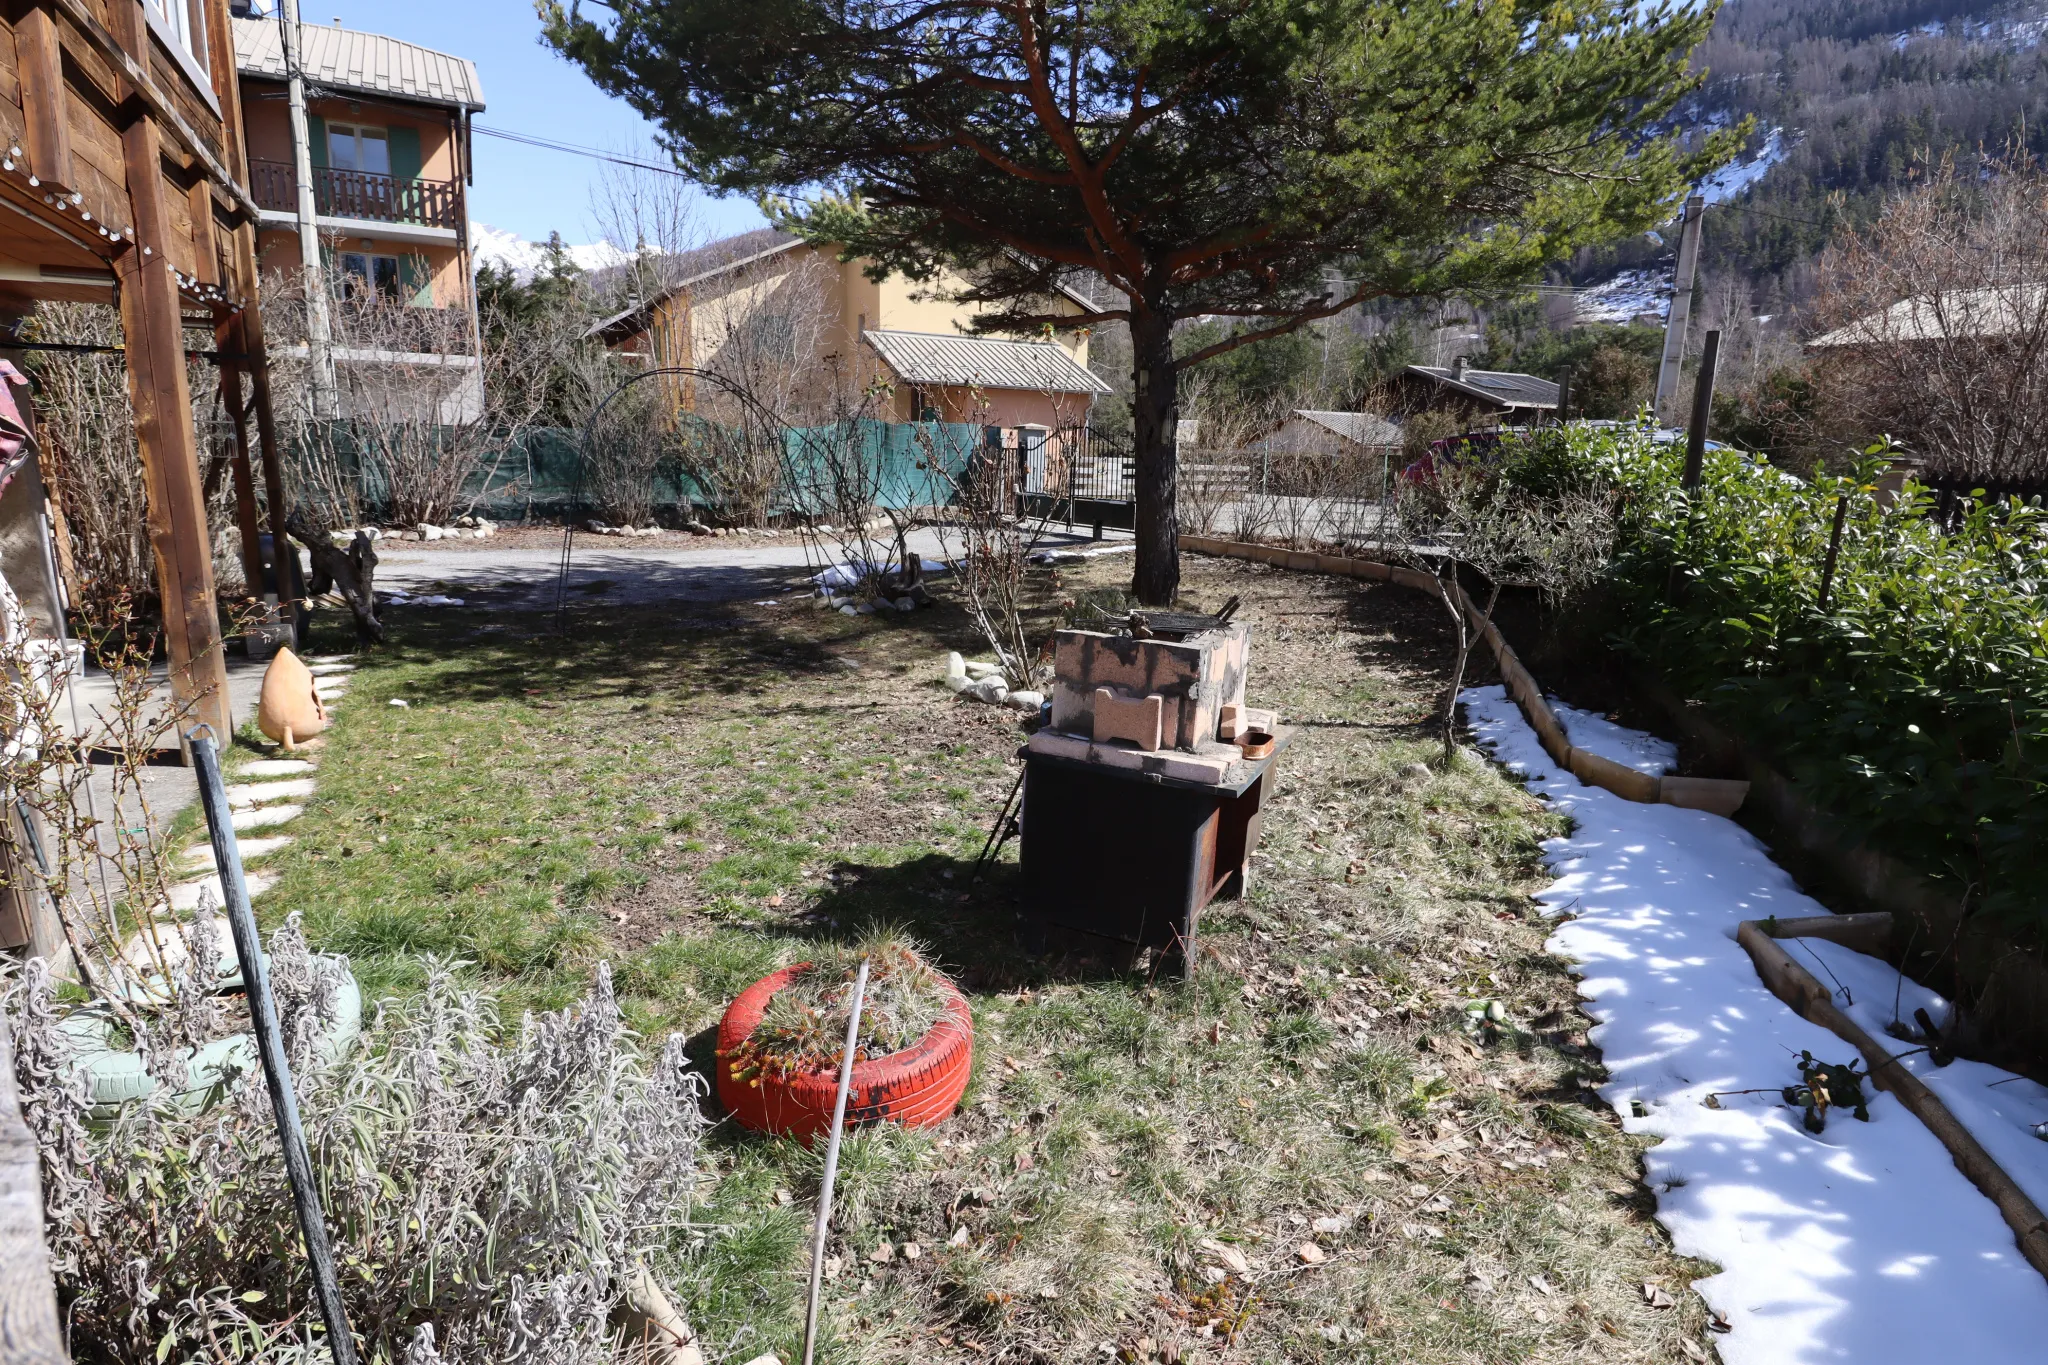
329 658
263 817
185 896
251 850
276 767
256 793
321 670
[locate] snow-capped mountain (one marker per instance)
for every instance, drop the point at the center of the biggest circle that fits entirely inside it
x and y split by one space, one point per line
509 251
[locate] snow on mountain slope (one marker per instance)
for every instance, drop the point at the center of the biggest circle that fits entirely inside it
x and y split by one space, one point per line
509 251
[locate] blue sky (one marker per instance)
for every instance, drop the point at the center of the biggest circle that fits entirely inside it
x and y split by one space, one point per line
528 90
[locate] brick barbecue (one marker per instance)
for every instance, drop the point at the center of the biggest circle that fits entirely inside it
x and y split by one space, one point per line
1142 794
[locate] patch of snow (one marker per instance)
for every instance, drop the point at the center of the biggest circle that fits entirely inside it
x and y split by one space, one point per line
1629 295
1737 177
1863 1243
509 251
851 572
399 599
1631 748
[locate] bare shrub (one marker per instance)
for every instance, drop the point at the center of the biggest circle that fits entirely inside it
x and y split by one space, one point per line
489 1203
1935 323
1516 524
428 414
85 431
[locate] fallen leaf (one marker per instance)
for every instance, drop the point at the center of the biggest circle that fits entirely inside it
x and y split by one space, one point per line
1693 1350
775 900
1051 1291
1541 1285
959 1237
882 1254
1230 1256
1310 1254
1656 1297
1332 1227
1012 1065
1024 1162
1717 1323
911 1251
1216 1032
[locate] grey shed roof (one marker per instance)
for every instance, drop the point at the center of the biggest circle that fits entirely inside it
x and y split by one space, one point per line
1954 315
1504 387
930 358
1363 428
347 59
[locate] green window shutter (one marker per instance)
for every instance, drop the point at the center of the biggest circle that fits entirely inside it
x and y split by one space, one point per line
316 133
416 281
405 169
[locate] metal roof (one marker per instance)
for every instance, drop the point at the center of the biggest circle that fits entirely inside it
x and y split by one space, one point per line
1363 428
1506 388
695 267
347 59
930 358
1952 315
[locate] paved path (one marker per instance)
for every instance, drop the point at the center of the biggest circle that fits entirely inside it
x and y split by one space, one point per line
622 572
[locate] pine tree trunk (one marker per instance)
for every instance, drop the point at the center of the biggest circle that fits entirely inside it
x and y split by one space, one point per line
1155 412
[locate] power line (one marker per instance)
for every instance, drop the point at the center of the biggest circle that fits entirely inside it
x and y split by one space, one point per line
573 149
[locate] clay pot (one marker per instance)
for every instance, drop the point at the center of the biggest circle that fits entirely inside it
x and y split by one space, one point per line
289 709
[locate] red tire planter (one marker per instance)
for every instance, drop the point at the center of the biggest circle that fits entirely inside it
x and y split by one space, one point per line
917 1087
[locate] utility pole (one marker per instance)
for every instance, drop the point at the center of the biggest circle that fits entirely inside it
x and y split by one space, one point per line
1681 303
319 328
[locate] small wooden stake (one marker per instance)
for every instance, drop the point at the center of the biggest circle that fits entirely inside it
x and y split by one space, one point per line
860 990
277 1068
1702 412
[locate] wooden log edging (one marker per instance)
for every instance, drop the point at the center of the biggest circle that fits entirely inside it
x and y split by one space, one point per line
1696 793
1798 988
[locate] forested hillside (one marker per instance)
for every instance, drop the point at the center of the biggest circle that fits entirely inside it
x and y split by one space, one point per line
1865 91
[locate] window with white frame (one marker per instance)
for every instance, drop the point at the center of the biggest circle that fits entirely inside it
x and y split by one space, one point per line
355 147
364 273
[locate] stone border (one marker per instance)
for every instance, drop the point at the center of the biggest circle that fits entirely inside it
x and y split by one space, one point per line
1722 797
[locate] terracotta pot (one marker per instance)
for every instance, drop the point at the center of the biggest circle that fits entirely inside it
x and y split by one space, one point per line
918 1087
1255 743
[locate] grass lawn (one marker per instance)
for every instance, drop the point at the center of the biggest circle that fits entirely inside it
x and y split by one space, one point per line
699 801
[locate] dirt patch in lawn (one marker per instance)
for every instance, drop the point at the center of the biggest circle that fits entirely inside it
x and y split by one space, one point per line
1305 1153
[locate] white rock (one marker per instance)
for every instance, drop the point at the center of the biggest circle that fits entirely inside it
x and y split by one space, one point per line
991 689
820 602
865 609
977 669
959 684
1026 701
956 667
482 531
263 817
276 767
400 702
259 793
430 532
906 604
849 610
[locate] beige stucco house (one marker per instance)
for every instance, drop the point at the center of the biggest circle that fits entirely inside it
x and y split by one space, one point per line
914 338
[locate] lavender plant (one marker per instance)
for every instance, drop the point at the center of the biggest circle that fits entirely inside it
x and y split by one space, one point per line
487 1203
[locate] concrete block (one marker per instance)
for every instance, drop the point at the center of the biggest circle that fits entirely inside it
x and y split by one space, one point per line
1136 719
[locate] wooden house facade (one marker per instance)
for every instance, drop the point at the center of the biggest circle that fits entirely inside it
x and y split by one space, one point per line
124 181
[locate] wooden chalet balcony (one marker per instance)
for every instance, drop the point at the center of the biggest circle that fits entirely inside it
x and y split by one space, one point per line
359 194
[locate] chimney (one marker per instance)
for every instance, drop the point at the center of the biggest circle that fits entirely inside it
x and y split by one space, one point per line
1459 366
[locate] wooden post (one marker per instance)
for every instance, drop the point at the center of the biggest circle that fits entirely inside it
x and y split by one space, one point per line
226 337
153 331
277 1068
28 1296
1702 412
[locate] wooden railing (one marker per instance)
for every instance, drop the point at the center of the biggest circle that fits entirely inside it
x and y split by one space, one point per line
360 194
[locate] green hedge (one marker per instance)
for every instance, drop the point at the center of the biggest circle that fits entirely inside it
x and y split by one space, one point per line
1913 703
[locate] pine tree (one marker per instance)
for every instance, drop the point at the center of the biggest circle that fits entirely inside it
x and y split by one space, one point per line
1196 159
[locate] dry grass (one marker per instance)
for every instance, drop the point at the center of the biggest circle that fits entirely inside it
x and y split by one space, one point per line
699 803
